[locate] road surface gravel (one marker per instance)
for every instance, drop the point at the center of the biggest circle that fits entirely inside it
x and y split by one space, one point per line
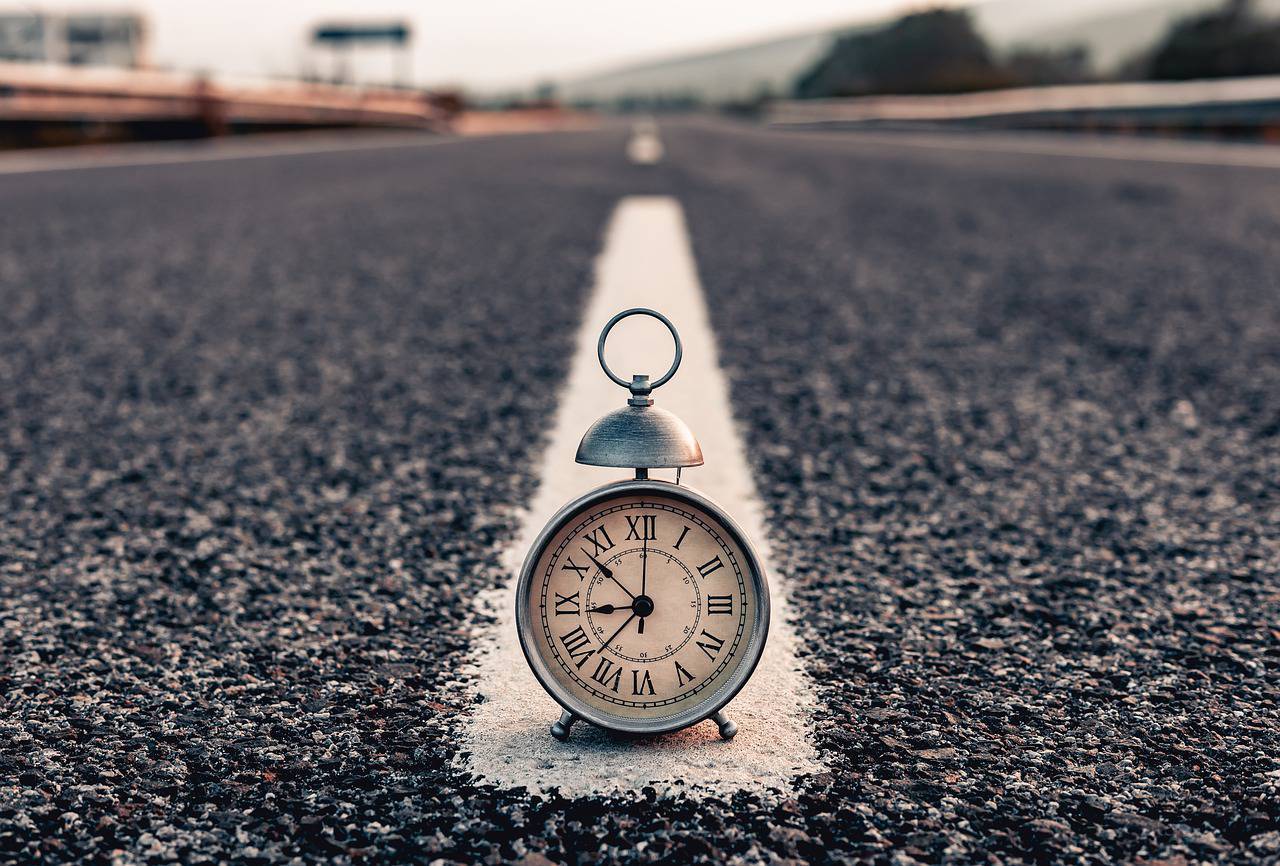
268 423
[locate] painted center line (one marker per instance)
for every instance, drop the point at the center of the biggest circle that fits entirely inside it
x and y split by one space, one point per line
645 147
647 261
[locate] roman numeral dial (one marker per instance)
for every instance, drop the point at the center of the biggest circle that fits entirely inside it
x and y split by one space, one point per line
642 605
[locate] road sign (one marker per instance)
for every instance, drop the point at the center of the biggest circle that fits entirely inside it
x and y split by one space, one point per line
395 32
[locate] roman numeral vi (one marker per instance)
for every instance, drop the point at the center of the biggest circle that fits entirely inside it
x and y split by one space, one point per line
641 685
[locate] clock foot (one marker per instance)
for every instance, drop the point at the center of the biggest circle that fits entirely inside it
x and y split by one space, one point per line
560 730
727 728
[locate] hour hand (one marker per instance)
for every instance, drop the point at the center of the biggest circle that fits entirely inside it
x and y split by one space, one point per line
608 608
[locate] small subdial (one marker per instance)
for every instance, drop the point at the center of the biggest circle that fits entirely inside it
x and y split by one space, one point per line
661 593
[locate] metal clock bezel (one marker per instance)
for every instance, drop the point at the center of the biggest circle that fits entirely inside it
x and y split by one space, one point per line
694 714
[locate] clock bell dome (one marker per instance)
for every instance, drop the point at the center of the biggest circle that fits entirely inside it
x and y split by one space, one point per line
640 435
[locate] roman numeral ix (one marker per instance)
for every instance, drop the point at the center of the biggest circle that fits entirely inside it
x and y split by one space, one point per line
641 685
567 604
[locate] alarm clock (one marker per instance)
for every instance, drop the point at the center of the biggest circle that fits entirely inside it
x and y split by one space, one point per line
642 607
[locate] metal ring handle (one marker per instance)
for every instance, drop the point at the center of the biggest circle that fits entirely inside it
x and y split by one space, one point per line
640 311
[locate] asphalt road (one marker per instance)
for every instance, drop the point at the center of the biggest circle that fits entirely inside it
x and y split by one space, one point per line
267 423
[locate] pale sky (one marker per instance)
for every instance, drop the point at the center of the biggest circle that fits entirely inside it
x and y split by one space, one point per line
477 43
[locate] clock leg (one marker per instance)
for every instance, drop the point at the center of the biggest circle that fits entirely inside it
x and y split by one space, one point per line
560 730
727 728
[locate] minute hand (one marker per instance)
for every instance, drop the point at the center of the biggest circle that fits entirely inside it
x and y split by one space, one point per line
644 566
644 577
608 572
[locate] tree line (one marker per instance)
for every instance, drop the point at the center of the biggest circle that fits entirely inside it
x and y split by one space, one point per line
941 51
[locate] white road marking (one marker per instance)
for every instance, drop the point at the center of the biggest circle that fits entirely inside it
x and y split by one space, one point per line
645 147
215 150
647 261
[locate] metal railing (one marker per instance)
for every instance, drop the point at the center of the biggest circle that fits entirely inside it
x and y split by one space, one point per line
1247 104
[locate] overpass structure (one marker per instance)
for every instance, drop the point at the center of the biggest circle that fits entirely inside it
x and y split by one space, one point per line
52 104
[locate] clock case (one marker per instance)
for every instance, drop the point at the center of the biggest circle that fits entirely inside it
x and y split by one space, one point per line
710 708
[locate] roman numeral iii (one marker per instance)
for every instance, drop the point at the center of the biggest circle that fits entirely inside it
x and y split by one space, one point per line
716 604
577 644
642 528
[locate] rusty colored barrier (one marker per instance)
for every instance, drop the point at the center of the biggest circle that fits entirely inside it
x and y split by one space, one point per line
55 105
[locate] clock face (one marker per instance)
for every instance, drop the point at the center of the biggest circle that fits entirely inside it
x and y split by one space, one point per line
643 606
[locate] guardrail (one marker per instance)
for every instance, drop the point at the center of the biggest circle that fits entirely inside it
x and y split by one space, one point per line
56 104
1234 105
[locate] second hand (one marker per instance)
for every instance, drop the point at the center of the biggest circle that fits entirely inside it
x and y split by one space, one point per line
644 575
620 628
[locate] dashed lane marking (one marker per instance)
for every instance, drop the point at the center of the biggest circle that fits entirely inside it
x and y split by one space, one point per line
645 147
647 261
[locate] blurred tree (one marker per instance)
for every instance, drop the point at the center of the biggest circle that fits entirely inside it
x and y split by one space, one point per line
1135 67
753 105
1037 67
1232 40
935 51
